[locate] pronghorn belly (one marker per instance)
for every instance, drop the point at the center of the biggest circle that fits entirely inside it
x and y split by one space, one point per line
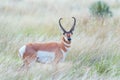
45 57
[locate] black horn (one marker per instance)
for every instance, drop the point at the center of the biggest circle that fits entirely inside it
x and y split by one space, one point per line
61 26
72 29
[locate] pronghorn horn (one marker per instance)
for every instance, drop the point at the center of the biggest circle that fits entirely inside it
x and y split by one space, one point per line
72 29
61 25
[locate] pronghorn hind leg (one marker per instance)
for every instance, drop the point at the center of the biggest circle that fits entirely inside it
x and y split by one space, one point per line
25 66
27 61
21 67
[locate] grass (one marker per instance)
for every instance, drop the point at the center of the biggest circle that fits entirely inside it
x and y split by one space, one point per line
95 50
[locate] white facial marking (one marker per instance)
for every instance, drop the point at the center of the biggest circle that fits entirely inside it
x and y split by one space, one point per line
22 51
65 38
45 57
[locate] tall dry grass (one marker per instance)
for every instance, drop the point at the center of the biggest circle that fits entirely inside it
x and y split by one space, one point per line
95 50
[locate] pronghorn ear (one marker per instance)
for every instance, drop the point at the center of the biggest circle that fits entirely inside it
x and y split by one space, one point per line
64 33
71 33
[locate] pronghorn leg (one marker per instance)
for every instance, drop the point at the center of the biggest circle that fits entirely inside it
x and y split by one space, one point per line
28 60
25 66
55 65
58 56
57 59
20 69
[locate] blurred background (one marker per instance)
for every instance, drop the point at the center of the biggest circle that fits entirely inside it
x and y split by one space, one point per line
39 13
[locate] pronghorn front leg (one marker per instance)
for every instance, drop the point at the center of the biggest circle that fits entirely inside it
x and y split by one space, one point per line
58 57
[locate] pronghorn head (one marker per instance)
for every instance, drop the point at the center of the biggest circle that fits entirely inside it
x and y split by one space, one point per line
67 34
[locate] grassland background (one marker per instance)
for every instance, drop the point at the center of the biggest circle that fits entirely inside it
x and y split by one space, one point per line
95 50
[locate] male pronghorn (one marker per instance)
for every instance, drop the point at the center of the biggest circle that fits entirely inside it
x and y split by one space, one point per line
48 52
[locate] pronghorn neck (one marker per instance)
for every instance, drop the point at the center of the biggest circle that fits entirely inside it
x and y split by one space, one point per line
65 44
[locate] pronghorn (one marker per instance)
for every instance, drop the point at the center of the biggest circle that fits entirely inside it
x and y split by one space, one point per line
47 52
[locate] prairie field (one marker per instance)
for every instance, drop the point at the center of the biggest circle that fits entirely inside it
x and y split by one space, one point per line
95 48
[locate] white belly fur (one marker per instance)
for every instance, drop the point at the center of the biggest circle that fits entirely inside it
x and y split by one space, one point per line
45 57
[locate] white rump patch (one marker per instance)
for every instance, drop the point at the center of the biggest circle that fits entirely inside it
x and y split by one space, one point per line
22 51
45 57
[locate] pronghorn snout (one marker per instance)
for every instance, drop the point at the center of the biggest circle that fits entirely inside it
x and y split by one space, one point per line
69 39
